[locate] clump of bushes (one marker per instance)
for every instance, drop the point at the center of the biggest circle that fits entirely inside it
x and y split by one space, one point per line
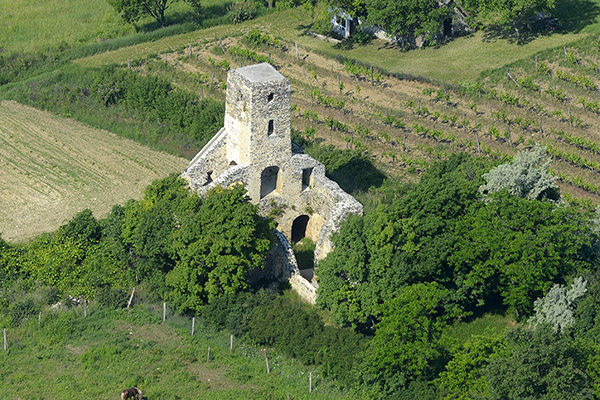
244 10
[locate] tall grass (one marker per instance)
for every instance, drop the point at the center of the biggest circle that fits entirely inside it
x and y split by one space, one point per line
49 25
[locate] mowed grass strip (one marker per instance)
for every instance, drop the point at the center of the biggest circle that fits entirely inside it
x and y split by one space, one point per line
52 167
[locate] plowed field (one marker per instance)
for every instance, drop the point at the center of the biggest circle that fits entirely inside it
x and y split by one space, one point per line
52 167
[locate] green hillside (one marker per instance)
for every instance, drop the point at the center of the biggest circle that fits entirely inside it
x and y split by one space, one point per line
111 350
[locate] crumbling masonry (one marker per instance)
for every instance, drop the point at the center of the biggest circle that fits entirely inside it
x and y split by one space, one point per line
254 148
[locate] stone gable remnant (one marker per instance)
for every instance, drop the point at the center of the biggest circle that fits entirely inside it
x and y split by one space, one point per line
254 148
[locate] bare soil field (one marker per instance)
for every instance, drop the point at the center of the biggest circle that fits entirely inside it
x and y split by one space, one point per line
51 168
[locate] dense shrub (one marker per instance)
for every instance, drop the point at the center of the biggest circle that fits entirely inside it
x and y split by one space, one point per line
291 327
112 297
244 10
21 310
147 109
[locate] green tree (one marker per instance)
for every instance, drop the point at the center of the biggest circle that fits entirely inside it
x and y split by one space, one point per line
354 8
83 229
408 17
511 13
539 364
408 341
148 227
464 377
515 249
408 239
219 240
133 10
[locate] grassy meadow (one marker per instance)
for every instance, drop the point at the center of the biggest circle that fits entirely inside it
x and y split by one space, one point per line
41 25
48 25
111 350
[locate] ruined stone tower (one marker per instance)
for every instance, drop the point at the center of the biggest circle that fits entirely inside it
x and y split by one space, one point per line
254 148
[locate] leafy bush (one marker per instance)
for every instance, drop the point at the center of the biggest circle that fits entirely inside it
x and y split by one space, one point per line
248 54
112 297
289 326
361 37
255 38
21 310
243 11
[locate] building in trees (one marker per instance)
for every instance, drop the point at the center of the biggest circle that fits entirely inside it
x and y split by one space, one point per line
254 148
410 23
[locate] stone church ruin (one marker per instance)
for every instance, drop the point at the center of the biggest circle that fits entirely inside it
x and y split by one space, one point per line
254 148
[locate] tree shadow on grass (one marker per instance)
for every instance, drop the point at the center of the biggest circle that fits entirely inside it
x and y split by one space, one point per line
571 17
575 15
212 15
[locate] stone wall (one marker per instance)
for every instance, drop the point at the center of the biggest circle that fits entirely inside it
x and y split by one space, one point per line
256 138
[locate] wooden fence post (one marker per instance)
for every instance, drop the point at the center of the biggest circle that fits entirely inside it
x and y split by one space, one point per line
190 50
208 354
193 325
40 320
310 382
231 344
84 308
297 53
267 362
131 297
5 341
164 311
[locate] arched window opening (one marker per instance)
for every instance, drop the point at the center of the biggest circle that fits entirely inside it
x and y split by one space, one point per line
271 128
269 179
306 177
270 97
299 228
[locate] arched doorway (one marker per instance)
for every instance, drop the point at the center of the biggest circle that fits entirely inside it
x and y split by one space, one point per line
269 180
299 228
